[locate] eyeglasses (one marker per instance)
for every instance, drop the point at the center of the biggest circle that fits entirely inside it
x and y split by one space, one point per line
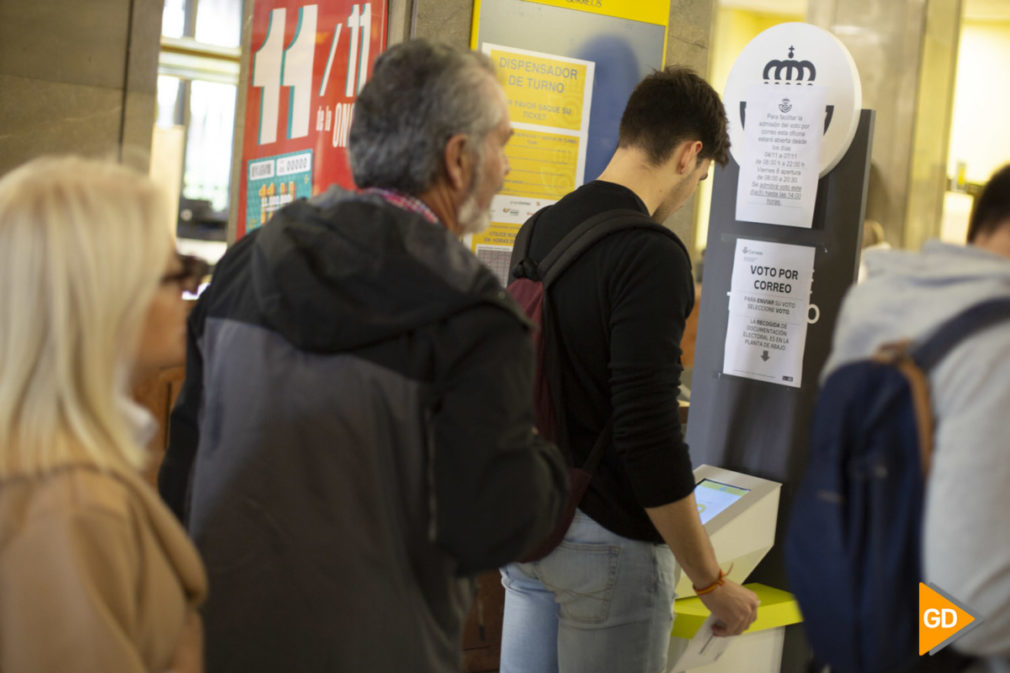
190 276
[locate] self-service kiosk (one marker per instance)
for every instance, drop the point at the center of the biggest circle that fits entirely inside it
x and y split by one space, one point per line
739 512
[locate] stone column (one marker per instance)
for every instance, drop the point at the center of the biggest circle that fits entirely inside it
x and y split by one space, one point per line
399 21
688 43
447 21
906 53
78 77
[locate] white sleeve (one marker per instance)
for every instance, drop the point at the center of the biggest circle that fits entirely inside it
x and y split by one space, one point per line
966 548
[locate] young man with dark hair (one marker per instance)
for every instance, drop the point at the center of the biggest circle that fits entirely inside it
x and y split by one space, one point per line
603 600
907 295
991 210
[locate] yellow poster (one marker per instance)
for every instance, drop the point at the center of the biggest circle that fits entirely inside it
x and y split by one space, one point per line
646 11
543 165
549 105
541 89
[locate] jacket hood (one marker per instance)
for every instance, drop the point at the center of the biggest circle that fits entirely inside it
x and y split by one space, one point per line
952 275
348 270
907 295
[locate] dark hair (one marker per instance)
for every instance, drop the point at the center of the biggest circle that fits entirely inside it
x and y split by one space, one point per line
671 106
991 209
420 94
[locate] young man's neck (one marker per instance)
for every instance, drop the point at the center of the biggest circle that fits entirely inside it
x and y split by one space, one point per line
996 240
630 167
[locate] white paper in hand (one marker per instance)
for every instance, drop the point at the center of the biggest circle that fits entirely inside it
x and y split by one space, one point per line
703 649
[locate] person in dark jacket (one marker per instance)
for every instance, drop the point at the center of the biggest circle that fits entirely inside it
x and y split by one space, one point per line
354 439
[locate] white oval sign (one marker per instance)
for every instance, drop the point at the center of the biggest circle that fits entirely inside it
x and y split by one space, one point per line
791 55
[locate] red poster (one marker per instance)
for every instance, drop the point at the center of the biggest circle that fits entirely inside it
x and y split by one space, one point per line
308 62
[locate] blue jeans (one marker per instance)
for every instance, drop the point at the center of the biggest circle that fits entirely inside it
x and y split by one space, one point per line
598 603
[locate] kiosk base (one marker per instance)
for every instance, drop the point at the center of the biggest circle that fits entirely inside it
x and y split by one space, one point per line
757 650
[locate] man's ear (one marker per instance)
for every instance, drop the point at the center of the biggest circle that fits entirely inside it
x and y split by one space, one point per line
687 156
458 162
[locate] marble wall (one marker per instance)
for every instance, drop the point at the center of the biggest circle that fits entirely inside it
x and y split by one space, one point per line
689 43
78 77
906 53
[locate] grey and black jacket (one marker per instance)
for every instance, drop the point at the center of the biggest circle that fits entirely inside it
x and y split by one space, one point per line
353 439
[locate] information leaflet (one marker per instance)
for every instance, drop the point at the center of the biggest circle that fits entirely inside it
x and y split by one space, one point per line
549 99
781 155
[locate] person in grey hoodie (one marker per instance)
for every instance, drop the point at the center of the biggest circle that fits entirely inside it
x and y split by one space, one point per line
966 547
354 439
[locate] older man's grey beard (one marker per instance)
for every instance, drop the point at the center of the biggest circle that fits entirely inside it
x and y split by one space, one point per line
473 219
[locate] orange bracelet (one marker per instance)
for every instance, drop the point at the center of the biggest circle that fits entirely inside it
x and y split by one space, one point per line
714 585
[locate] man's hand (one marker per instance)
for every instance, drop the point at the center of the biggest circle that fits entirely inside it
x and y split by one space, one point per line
734 606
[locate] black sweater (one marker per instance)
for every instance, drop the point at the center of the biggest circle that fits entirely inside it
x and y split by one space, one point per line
621 310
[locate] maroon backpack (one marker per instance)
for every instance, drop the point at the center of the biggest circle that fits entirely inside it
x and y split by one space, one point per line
530 286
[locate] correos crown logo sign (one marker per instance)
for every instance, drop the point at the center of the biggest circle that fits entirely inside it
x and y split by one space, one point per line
776 68
798 54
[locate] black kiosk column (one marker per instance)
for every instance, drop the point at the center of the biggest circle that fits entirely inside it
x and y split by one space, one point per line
783 247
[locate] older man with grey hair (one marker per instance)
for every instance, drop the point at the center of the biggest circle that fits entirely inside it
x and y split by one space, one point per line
355 436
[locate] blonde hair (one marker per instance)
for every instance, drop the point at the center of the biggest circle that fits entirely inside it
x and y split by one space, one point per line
83 245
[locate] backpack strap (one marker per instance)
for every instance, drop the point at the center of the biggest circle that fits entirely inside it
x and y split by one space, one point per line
914 361
961 326
525 268
574 243
586 234
567 250
899 355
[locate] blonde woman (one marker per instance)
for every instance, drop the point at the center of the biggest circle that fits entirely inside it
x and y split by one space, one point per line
95 573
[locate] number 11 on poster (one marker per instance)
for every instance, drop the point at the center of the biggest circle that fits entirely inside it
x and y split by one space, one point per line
275 66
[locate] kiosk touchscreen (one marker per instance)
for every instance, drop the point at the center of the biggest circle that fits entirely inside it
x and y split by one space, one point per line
739 513
713 497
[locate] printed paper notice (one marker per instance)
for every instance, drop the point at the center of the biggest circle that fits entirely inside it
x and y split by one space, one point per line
769 302
275 181
780 162
548 99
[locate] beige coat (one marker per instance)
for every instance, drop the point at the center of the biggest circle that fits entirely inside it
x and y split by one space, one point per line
95 575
